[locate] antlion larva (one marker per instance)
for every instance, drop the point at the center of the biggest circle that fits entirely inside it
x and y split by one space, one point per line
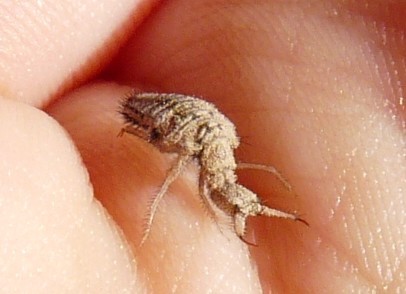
195 130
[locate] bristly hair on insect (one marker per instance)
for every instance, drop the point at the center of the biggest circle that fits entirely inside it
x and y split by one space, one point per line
196 130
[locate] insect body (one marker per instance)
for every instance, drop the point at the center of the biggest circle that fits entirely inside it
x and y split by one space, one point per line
195 130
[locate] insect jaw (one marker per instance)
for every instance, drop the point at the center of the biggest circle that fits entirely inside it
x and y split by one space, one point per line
240 220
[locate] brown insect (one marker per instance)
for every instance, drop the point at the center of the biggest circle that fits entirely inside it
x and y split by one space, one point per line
195 130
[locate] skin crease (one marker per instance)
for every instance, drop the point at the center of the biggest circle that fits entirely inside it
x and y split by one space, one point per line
314 89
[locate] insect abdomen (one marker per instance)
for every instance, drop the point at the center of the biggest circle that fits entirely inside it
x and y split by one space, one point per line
175 121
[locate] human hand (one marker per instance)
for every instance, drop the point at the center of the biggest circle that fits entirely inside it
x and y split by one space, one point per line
314 89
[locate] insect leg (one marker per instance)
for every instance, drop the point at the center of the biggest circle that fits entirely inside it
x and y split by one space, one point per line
138 132
267 168
173 174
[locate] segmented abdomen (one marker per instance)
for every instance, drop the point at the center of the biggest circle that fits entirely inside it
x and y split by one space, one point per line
176 122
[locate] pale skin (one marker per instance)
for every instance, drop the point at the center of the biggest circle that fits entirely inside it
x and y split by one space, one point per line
314 89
